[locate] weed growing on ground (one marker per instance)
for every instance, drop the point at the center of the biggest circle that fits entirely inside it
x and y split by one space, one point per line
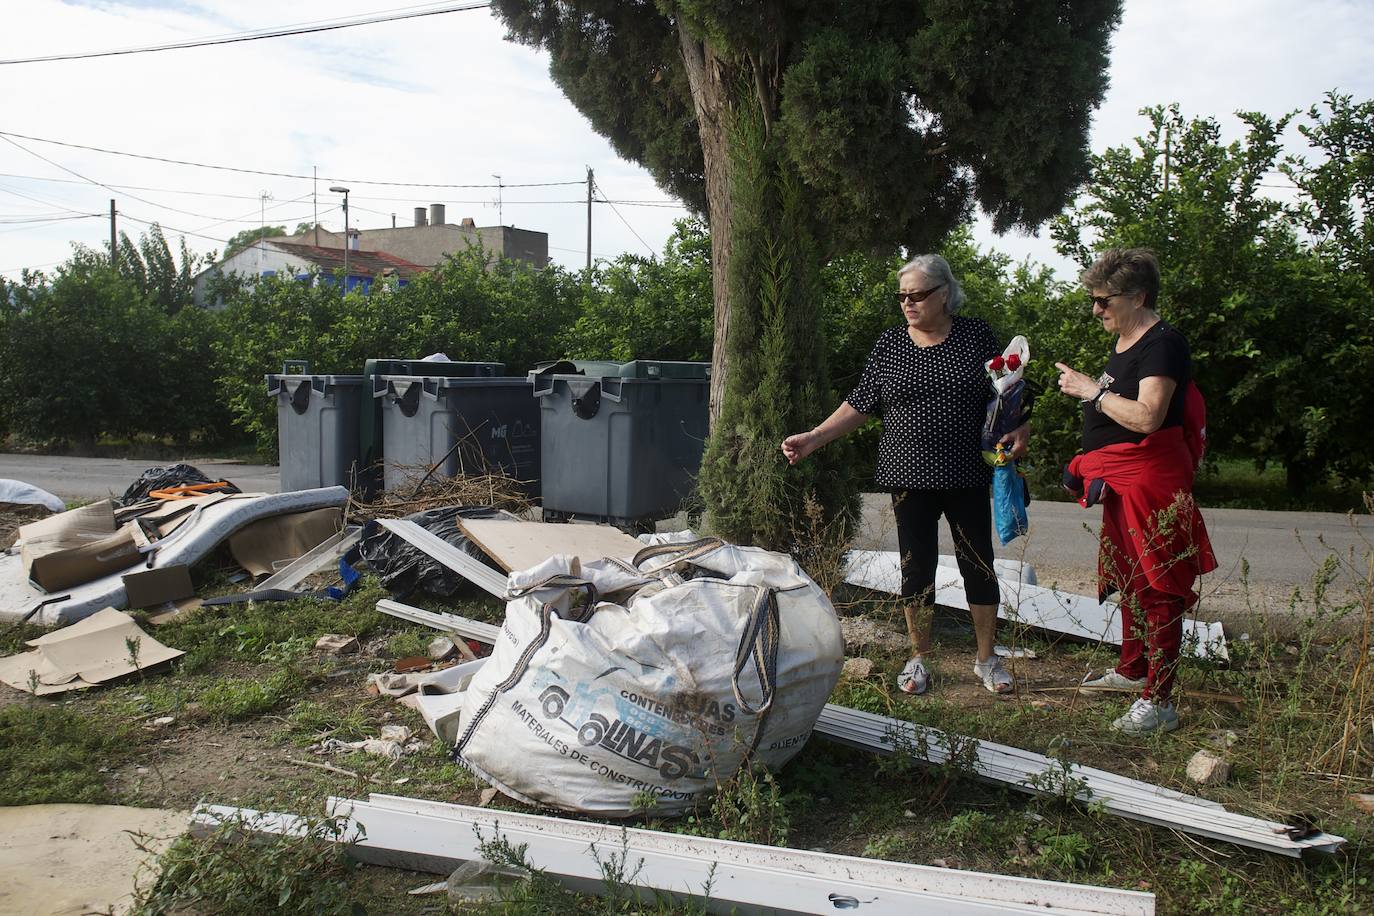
748 807
229 872
51 753
231 699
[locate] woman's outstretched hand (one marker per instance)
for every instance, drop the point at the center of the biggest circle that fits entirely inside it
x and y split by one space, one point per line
1075 383
795 448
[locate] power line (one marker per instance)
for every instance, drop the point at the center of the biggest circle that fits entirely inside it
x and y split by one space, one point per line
256 35
101 184
617 212
667 204
243 171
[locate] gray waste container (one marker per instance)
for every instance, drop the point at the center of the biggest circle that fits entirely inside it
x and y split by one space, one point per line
472 425
623 449
317 427
371 451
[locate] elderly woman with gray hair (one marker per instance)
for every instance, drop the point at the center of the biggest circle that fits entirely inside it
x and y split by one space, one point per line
925 378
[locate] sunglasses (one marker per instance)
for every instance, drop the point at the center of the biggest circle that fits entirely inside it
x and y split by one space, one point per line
921 296
1105 301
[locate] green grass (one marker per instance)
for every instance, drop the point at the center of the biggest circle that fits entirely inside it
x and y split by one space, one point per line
51 753
253 664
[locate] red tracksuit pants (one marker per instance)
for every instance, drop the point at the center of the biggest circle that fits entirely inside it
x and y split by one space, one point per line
1151 634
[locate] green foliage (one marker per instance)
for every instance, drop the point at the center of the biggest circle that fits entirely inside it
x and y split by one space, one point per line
895 119
246 237
51 754
237 874
93 351
647 308
778 384
1273 297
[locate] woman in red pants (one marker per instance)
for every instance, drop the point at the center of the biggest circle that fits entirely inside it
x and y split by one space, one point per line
1143 432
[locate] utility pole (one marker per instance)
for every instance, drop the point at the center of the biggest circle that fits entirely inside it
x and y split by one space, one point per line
114 237
315 200
500 209
589 220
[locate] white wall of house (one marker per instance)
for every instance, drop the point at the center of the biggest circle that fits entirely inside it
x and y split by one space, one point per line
253 261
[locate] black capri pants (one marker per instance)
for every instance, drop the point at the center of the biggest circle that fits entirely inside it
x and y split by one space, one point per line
970 523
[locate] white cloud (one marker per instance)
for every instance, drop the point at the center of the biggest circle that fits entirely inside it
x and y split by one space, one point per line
447 99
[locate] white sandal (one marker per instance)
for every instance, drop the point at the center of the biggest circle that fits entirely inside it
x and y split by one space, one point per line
995 677
914 679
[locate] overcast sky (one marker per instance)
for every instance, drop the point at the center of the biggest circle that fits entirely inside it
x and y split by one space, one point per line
445 100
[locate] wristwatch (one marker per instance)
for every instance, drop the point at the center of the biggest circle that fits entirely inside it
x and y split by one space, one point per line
1097 399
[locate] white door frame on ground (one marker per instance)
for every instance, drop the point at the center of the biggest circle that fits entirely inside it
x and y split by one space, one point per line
731 877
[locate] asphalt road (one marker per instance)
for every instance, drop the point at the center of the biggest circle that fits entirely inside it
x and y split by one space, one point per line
1283 549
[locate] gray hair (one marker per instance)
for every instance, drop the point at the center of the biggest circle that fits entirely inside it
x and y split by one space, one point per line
936 268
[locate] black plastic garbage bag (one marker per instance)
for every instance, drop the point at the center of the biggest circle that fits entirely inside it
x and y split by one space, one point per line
163 478
404 568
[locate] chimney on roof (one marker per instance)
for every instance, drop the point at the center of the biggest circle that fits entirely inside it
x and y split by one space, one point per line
436 214
420 216
468 223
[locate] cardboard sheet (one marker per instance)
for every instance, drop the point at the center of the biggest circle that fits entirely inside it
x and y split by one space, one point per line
70 860
87 653
151 587
267 545
520 545
77 546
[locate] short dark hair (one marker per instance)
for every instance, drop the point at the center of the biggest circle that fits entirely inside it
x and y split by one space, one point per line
1125 270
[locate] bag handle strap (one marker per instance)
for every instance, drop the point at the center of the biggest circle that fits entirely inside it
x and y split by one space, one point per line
759 644
690 550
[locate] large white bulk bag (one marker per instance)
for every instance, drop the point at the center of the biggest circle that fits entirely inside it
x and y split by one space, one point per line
613 683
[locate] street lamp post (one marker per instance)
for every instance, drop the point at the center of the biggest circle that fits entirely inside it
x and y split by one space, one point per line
340 189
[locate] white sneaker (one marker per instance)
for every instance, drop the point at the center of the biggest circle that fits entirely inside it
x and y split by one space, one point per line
1145 717
914 679
1113 680
996 678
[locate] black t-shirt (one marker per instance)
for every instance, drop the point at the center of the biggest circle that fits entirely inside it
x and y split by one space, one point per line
1162 350
933 401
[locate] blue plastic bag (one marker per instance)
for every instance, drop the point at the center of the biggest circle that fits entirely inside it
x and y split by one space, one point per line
1009 503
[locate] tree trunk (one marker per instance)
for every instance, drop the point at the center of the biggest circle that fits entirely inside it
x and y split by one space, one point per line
707 76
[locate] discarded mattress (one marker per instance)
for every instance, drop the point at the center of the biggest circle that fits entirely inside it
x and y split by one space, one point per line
18 493
1025 602
90 652
202 531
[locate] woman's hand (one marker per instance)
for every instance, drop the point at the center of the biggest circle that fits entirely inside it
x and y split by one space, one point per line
1017 441
1076 384
795 448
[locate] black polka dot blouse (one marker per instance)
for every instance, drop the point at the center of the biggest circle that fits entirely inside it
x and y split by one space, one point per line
933 401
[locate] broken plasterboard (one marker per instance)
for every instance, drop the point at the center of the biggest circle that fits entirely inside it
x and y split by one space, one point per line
1022 602
521 545
70 860
200 531
87 653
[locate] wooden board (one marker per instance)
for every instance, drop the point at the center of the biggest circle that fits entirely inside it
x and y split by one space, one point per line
520 545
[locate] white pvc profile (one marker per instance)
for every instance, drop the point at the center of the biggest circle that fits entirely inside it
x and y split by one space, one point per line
475 571
741 877
449 623
300 569
1022 601
1119 795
